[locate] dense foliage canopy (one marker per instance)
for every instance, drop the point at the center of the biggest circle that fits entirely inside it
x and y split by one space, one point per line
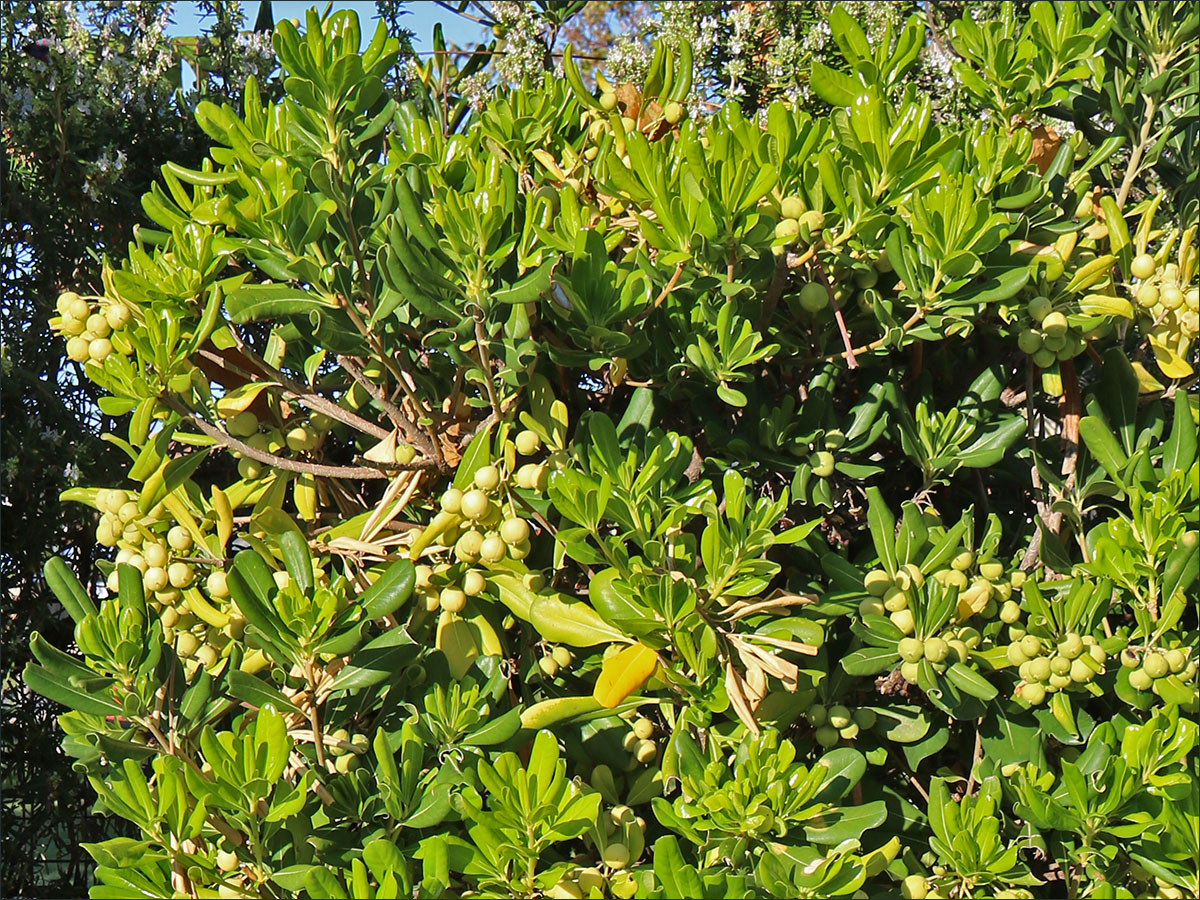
573 493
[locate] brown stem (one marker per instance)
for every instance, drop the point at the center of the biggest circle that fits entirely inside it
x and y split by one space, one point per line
294 391
393 412
851 362
289 465
866 348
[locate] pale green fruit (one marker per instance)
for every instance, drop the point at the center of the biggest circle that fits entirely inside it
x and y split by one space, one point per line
467 547
643 728
903 619
1040 669
1071 646
487 478
839 716
615 856
673 112
528 443
1143 266
563 657
787 229
1039 308
817 715
822 463
1140 680
871 607
452 600
475 505
1010 612
155 578
243 424
1176 660
1033 694
155 554
302 438
1055 325
181 575
474 583
792 207
936 650
1156 665
180 539
991 570
877 581
914 888
514 531
493 549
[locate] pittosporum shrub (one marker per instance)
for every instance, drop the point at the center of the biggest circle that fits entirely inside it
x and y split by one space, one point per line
594 501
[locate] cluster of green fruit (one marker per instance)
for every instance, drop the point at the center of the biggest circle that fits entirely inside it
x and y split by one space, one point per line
121 521
1050 336
87 328
555 661
300 437
346 749
1046 667
838 722
1161 294
155 555
619 839
473 522
980 593
1155 665
639 741
798 224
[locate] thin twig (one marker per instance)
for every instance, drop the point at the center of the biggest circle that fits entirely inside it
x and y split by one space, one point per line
289 465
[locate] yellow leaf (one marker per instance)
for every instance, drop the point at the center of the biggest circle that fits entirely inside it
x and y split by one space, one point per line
624 673
1147 383
1104 305
304 492
240 398
1171 363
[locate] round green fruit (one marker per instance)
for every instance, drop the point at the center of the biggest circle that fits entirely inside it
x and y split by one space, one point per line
822 463
608 101
839 716
487 478
473 583
1033 694
865 718
877 582
475 505
914 888
1039 308
1040 669
1176 660
1071 646
1060 665
673 112
814 297
1055 325
817 715
787 230
548 665
1140 680
792 207
514 531
1029 341
493 549
903 619
872 606
528 443
911 649
452 600
826 736
909 671
936 650
1143 266
1015 654
1156 665
1031 646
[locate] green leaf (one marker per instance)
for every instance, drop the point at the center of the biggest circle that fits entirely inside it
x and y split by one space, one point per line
252 302
848 822
42 682
834 87
883 529
257 692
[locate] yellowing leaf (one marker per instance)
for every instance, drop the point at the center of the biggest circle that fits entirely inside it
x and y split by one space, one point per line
384 451
1147 383
304 492
240 398
624 673
1171 363
1104 305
